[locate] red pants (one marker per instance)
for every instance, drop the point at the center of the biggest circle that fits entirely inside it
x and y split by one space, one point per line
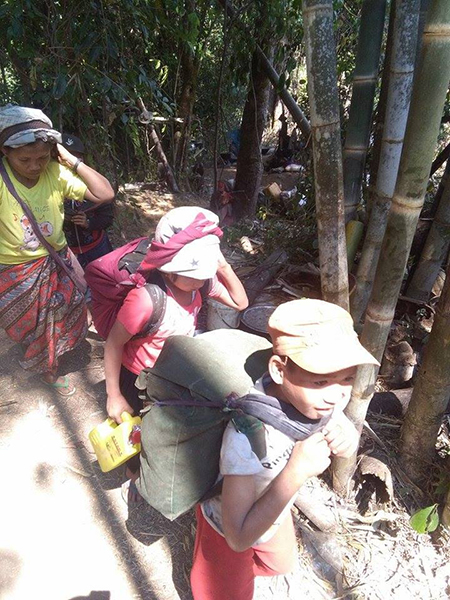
220 573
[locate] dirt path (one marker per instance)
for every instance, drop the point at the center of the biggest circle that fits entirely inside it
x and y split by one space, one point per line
66 532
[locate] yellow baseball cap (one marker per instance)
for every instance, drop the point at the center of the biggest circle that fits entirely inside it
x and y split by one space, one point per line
317 336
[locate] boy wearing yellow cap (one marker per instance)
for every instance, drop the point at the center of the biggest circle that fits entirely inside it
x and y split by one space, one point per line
248 530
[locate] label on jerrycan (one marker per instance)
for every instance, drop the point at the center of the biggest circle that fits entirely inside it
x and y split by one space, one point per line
114 444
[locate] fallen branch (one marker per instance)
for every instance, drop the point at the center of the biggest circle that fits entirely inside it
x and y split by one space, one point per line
264 274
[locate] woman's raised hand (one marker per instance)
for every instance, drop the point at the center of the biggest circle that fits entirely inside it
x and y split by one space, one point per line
65 158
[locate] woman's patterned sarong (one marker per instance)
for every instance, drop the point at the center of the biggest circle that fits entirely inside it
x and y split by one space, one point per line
41 308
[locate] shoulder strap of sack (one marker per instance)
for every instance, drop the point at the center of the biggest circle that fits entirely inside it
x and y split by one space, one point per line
267 409
26 209
253 429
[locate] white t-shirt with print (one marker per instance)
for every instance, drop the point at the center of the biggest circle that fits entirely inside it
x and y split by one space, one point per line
238 458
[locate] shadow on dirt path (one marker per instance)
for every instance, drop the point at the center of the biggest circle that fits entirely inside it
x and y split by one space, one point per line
67 524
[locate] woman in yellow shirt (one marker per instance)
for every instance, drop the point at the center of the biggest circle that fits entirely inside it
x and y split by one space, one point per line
40 306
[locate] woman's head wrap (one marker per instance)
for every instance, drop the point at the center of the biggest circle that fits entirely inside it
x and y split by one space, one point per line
186 243
20 125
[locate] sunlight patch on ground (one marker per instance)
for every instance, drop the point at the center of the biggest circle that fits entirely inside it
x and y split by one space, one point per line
48 521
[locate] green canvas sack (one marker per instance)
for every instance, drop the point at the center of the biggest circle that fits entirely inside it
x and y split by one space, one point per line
180 444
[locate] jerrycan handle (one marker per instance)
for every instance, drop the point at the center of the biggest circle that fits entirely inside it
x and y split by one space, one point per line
125 416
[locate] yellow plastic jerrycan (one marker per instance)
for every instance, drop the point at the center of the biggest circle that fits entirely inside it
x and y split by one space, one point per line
113 443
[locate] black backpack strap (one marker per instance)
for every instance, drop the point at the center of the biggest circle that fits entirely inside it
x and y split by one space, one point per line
206 288
156 289
131 261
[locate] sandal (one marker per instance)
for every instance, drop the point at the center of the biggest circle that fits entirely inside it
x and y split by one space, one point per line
129 491
61 386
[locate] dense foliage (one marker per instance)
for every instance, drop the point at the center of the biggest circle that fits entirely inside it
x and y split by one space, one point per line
87 64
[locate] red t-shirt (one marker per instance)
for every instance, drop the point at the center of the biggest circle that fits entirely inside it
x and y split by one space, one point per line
137 309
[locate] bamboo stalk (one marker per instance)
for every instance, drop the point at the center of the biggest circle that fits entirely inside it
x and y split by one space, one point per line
361 107
424 6
434 251
381 111
430 395
325 125
430 88
398 101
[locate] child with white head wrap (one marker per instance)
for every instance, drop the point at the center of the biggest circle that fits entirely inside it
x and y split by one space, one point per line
186 252
186 243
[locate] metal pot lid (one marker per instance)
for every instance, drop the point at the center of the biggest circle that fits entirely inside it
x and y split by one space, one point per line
257 316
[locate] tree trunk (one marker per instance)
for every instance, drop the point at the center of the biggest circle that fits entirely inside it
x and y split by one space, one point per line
446 512
267 67
434 251
326 137
163 160
217 120
430 396
249 164
431 212
361 107
22 71
430 88
189 69
289 102
398 101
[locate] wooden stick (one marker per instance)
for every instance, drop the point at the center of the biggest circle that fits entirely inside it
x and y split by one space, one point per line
170 178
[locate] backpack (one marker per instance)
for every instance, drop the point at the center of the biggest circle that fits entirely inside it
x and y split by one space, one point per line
108 278
195 388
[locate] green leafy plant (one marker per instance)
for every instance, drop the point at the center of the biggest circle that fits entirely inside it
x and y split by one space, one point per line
425 520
